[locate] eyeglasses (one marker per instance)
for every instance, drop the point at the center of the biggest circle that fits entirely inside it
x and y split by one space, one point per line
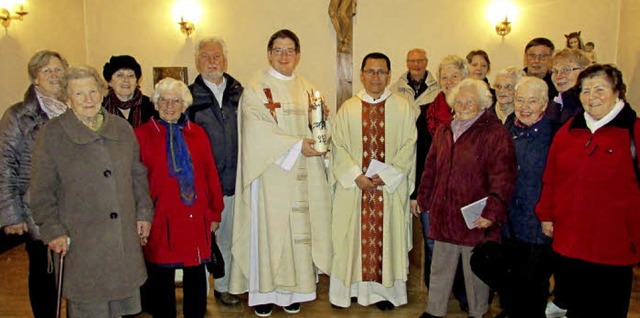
124 76
166 101
282 51
468 102
207 57
417 61
542 57
50 71
564 71
500 86
376 72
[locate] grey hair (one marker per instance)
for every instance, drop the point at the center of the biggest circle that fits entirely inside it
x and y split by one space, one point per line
537 84
41 59
168 84
514 72
480 88
423 51
214 40
572 56
455 61
75 72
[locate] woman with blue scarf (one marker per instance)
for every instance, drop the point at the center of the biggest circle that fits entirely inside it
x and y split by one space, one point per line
187 198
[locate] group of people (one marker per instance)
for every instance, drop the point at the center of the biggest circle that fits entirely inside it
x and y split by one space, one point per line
130 188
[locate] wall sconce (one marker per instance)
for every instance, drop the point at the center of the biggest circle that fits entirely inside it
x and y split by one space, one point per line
186 27
6 15
187 13
503 27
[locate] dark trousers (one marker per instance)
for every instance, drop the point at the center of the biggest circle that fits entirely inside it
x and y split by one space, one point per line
160 297
528 289
594 290
42 284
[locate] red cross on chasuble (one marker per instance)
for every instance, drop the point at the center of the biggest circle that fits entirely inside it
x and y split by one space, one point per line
373 137
270 104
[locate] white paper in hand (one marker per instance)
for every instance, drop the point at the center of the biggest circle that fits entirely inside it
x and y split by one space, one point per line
375 166
471 212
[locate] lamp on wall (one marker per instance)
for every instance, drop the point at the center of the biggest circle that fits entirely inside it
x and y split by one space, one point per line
503 27
498 14
186 14
12 10
186 27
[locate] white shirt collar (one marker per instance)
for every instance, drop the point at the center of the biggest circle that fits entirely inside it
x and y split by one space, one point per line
362 94
272 71
595 124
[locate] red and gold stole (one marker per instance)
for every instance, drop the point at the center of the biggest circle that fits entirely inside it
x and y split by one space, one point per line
373 137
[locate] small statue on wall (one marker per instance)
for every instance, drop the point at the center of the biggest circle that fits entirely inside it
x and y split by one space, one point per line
341 13
574 41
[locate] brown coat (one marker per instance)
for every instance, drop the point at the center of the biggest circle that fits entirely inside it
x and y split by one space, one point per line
92 187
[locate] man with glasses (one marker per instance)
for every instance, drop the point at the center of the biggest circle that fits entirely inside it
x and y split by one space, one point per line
537 61
373 161
281 229
216 95
417 85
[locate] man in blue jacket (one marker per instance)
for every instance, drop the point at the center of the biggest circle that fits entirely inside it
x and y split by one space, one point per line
215 107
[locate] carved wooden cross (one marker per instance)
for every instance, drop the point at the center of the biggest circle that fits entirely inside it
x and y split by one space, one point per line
341 13
270 104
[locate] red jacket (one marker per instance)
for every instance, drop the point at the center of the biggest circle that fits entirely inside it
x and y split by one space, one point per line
590 192
180 234
481 163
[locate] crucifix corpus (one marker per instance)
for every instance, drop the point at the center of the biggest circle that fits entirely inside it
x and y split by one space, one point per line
342 13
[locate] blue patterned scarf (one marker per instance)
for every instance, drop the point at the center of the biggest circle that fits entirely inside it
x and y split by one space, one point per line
179 159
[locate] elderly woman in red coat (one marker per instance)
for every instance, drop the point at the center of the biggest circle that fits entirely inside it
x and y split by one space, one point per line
187 197
471 158
590 202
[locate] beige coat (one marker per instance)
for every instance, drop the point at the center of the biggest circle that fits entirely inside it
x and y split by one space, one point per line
346 165
294 206
92 187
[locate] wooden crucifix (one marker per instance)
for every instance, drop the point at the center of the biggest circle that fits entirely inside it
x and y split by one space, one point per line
342 13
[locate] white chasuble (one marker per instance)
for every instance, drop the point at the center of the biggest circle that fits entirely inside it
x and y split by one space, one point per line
281 230
351 150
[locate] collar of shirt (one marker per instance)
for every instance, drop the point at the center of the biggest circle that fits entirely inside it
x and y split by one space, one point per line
368 99
595 124
217 89
272 71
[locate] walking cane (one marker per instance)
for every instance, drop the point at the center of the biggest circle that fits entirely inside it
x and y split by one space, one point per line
59 283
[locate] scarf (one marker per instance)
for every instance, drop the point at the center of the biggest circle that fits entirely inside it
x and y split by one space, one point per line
460 126
179 159
112 103
51 106
438 113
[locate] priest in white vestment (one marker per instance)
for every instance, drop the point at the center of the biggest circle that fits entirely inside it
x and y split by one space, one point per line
371 176
282 221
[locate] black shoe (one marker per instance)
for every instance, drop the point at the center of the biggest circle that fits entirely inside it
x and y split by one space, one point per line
428 315
385 305
226 298
292 309
336 307
262 310
502 314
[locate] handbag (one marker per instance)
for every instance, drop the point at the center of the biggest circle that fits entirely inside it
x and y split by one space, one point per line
493 262
216 266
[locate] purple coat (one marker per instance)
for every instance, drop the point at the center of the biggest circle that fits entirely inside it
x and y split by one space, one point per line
480 163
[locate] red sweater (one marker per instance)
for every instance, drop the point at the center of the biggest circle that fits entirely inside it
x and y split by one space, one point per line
591 194
180 234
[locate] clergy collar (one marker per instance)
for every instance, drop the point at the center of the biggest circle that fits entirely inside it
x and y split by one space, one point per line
367 98
272 71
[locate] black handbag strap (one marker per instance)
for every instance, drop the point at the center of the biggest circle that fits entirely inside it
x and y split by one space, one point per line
634 153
